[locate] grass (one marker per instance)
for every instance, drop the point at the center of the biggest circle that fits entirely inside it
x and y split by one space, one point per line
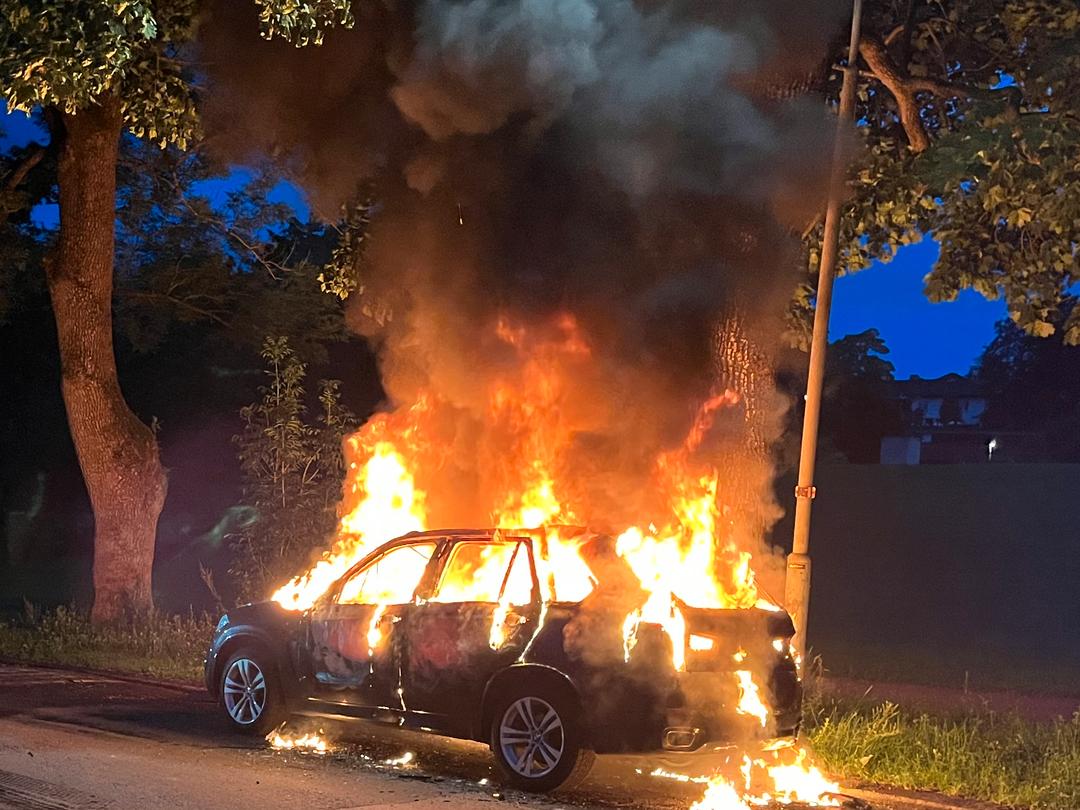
163 646
1002 759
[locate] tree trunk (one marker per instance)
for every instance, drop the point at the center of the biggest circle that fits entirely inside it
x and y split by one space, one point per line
118 454
745 488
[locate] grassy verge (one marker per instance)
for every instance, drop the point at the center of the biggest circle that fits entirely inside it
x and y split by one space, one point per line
1006 760
163 646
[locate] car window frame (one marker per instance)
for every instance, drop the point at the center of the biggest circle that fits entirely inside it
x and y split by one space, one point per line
330 598
445 554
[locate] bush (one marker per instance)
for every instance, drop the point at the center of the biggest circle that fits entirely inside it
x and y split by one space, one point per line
292 471
163 646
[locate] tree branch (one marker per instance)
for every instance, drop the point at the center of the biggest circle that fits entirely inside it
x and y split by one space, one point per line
900 85
904 89
31 159
147 295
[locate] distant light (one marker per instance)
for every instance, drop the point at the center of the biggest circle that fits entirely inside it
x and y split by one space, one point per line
990 448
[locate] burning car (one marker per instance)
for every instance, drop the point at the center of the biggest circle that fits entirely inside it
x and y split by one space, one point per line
541 643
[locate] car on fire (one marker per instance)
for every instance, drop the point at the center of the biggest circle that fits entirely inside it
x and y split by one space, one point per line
546 683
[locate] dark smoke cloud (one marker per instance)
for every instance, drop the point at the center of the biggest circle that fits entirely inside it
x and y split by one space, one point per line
623 161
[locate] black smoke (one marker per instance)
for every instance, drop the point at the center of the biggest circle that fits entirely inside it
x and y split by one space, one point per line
627 162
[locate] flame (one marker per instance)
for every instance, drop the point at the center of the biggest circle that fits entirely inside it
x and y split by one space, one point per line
374 633
660 610
386 505
497 635
686 555
802 782
781 775
314 742
687 552
750 701
721 795
564 574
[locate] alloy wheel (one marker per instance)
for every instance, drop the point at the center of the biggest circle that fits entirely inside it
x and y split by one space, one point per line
531 737
244 691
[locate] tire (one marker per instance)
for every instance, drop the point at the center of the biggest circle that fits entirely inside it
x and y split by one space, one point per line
251 693
537 739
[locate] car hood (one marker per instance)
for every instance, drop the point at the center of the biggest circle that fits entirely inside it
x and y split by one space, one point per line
267 613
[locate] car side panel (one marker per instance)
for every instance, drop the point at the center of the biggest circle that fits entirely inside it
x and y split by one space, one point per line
447 660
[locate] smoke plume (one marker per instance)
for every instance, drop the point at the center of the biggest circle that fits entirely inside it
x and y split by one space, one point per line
627 163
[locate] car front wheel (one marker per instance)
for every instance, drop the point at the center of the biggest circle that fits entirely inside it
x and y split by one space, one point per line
250 692
537 740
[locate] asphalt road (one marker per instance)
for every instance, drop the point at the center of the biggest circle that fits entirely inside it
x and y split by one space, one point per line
76 740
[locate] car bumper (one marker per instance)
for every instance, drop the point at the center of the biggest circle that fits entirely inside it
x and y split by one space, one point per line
709 759
707 711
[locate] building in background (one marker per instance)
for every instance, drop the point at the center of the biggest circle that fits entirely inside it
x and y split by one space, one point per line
944 425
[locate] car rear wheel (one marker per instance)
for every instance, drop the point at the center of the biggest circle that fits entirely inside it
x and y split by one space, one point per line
537 740
250 692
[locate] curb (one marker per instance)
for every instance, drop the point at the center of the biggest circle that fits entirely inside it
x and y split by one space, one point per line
915 801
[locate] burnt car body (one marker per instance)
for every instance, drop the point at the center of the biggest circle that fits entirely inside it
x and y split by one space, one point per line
393 641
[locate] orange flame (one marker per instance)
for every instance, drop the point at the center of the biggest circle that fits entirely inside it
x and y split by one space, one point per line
314 742
689 555
750 701
781 775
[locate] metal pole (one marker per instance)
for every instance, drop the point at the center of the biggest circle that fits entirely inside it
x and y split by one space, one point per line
797 587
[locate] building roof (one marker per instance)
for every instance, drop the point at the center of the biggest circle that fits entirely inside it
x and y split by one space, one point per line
949 386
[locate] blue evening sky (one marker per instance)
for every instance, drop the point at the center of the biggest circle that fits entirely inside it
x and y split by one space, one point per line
923 338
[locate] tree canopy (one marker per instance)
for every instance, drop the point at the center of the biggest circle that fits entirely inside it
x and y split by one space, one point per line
858 411
970 115
1034 385
69 53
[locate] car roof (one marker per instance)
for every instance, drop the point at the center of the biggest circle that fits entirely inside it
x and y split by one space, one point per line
486 532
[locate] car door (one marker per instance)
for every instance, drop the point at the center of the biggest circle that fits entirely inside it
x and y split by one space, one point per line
350 639
478 618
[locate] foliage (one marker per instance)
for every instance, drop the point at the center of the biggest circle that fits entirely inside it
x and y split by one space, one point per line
159 645
193 246
303 22
987 164
860 357
857 411
342 273
68 54
20 252
1034 385
999 759
293 469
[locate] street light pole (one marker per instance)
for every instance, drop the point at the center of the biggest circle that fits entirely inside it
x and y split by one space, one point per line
797 586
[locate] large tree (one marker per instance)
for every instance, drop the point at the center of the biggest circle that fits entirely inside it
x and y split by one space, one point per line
970 112
98 68
1033 386
858 412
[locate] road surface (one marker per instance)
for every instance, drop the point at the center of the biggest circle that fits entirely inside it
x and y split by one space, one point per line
77 740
